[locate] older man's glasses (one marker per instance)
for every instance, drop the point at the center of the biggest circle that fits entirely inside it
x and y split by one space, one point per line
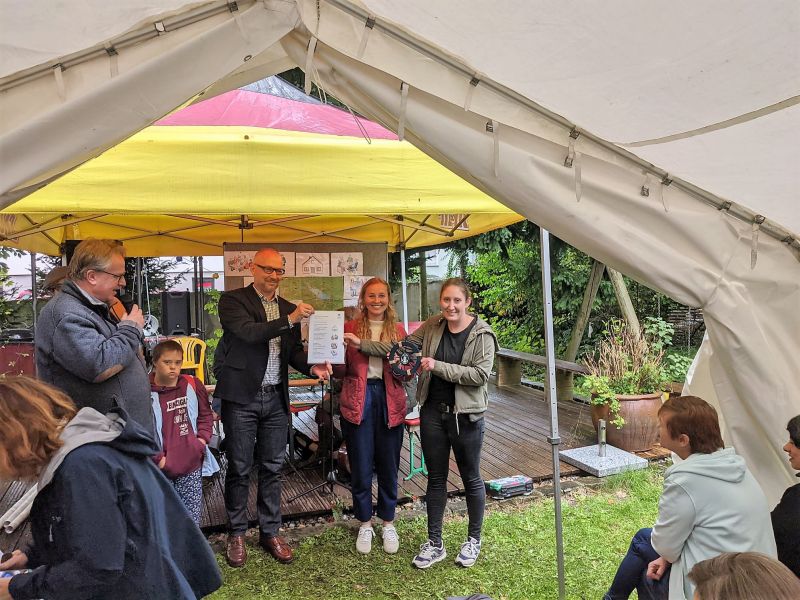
120 278
270 270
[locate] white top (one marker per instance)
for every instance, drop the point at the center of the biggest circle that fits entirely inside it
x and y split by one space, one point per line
375 369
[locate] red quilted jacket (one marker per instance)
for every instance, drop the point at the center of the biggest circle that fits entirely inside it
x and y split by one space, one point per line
354 384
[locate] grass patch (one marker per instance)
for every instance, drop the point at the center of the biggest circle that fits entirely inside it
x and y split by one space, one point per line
517 560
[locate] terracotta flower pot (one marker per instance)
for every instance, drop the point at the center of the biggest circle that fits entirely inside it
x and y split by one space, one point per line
640 431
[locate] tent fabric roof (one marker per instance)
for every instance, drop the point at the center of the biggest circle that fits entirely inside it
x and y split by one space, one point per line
661 140
247 166
723 77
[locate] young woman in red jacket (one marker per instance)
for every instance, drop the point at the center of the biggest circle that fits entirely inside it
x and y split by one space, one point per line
373 408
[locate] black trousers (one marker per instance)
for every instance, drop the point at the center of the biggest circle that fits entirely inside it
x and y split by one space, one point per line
261 425
439 434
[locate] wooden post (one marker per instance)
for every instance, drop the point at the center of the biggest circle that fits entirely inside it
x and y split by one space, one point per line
509 371
564 379
624 300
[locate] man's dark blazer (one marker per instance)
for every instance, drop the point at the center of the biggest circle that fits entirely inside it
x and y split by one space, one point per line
241 355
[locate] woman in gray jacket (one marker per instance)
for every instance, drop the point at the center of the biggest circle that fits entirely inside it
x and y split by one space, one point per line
458 351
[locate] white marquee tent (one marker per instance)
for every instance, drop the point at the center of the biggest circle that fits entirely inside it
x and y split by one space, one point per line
660 139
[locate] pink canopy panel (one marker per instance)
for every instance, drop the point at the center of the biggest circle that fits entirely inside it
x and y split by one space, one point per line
254 109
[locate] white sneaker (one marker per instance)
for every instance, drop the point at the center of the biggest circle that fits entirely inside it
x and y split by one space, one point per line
428 555
391 543
364 539
469 552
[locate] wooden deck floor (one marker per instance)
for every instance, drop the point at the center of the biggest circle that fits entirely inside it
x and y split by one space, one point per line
515 442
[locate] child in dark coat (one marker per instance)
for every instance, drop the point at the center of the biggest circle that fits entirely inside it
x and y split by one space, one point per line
184 422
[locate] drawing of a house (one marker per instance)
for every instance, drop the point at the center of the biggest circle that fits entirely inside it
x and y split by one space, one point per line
312 266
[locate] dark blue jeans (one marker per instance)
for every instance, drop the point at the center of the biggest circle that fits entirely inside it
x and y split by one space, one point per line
439 434
262 424
374 446
632 572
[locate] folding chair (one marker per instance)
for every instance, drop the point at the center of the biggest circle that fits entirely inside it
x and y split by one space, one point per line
194 356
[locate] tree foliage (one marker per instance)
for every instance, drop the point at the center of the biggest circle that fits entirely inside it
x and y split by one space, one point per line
8 291
503 268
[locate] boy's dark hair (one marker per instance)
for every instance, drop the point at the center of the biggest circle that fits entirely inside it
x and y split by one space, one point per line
166 346
697 419
793 427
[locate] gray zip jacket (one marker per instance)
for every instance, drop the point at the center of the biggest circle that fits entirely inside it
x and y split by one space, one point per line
471 376
95 361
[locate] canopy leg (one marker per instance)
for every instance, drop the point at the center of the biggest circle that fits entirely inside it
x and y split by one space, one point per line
550 386
403 283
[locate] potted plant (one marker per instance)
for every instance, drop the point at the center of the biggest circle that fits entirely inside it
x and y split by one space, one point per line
625 382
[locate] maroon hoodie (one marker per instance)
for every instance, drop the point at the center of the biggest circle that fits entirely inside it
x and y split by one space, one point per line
183 449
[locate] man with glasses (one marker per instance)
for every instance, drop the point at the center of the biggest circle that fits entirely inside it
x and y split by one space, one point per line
260 339
83 349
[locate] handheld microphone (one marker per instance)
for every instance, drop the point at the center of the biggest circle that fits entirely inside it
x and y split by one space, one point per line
127 301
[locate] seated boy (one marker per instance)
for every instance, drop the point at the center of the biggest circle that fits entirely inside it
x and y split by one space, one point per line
184 422
710 504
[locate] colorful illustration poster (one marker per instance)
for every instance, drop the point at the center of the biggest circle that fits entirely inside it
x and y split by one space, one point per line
347 263
352 287
238 262
312 264
288 263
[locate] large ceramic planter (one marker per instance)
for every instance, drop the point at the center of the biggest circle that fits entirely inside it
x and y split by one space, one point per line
640 431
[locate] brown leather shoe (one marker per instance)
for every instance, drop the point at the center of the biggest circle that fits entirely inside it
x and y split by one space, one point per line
277 547
236 552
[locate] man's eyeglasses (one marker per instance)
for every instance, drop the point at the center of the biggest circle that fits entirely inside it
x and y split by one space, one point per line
118 277
270 270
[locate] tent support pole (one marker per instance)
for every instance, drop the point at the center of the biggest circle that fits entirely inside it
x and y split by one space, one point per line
139 281
202 303
194 295
550 388
403 283
423 286
34 293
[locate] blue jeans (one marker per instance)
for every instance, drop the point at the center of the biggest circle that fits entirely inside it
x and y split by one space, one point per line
438 433
632 572
373 446
262 424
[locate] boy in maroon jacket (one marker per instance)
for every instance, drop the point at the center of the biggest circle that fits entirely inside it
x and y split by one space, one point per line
184 422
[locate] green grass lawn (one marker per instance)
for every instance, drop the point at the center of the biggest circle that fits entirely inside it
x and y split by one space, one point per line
517 559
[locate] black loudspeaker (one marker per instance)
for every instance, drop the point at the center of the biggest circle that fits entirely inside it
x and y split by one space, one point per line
176 313
68 248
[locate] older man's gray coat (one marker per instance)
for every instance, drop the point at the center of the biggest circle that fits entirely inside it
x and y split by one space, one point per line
95 361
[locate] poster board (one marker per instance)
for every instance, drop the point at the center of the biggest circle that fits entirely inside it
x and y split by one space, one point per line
327 276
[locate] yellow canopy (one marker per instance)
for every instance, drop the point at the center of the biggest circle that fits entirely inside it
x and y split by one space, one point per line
183 191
